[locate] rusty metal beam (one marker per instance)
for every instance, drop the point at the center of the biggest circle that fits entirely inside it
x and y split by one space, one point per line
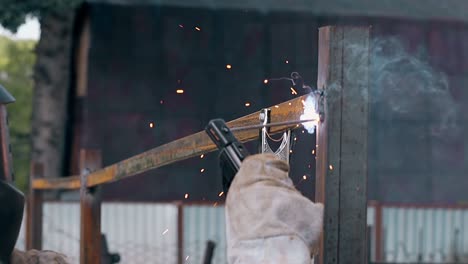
34 210
341 171
90 205
184 148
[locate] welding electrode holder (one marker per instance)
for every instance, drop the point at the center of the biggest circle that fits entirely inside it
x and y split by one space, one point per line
231 151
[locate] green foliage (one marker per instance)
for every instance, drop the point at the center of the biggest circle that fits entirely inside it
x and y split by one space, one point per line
17 60
13 12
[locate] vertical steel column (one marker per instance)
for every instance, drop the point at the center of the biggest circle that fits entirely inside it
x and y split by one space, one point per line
90 205
180 233
341 171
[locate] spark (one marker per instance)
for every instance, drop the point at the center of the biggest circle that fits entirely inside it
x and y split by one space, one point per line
220 194
289 103
186 196
151 124
309 166
295 138
302 131
290 151
202 170
304 177
181 26
228 66
161 102
265 81
287 61
165 232
330 167
313 152
247 104
202 156
197 28
293 91
310 113
179 91
276 106
215 204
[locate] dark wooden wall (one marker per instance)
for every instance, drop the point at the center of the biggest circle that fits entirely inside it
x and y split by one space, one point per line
140 55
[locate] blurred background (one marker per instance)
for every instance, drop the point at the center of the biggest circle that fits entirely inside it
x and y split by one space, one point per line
127 76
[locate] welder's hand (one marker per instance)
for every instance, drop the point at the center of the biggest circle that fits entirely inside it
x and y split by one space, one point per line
267 219
38 257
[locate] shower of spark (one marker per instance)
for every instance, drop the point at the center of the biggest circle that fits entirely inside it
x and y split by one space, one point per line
310 113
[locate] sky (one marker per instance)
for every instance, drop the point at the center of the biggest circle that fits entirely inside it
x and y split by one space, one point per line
29 30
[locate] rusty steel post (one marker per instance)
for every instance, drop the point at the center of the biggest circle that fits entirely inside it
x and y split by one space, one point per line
34 209
6 160
378 227
180 233
90 206
341 171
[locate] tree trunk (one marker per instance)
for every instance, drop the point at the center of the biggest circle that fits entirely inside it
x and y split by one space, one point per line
51 88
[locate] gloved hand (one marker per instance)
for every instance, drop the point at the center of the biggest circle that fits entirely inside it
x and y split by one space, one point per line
38 257
267 220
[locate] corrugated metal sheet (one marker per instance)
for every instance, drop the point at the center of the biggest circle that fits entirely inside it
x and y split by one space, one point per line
139 232
147 232
431 234
203 223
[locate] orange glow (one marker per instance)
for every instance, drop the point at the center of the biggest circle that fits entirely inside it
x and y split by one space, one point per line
179 91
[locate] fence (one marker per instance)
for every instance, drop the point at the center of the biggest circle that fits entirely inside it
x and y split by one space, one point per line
84 220
149 232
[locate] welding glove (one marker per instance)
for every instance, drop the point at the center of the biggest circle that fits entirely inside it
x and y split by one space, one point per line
267 220
38 257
